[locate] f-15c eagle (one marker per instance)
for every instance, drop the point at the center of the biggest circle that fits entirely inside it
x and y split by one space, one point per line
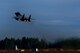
20 17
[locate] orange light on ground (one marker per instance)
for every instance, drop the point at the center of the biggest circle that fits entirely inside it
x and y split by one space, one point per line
61 49
78 50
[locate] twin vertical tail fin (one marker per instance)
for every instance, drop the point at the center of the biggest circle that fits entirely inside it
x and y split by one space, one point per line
29 19
23 16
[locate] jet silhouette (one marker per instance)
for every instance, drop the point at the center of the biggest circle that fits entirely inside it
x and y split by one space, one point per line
22 17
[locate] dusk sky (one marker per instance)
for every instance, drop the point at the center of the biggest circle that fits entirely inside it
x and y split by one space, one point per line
54 19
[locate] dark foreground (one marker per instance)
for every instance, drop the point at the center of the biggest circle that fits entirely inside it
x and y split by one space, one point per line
40 52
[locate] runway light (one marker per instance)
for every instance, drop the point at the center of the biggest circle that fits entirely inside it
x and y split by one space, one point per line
22 50
37 50
16 48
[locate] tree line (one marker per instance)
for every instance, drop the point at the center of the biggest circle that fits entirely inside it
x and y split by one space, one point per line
27 43
24 43
71 43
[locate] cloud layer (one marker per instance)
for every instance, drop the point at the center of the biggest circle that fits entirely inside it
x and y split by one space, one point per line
53 18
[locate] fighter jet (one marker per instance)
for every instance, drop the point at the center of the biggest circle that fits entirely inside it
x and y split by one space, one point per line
20 17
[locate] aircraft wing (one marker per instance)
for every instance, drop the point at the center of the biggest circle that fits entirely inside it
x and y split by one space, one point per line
17 14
